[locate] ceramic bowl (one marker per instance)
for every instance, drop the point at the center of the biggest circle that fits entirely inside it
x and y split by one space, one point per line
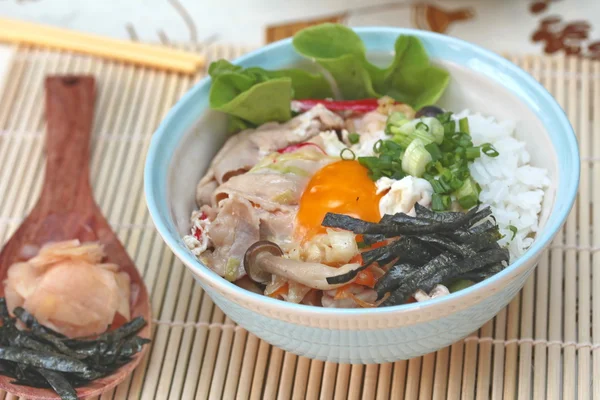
191 134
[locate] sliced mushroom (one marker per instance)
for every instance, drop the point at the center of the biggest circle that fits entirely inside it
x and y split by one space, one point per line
264 258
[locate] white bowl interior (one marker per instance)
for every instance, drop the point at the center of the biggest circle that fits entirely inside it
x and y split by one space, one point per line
467 90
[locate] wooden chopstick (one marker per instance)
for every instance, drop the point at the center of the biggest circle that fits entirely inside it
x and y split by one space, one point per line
142 54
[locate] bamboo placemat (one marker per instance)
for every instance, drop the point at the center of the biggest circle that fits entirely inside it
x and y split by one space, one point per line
543 345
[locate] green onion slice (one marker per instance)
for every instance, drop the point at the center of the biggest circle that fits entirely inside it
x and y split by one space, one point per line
513 229
463 125
347 157
423 126
354 138
489 150
377 146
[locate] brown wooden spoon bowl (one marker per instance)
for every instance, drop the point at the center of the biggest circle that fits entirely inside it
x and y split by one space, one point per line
66 210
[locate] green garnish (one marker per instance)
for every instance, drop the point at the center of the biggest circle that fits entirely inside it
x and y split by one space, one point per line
257 96
410 78
463 125
468 194
472 153
489 150
427 129
423 126
353 138
388 161
434 150
459 284
440 202
377 146
349 157
514 230
395 119
415 159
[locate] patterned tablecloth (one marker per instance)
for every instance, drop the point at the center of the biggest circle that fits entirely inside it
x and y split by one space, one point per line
515 26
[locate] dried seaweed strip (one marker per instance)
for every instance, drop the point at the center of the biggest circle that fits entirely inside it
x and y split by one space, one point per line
30 321
17 338
46 360
25 374
407 249
45 334
447 244
130 328
346 222
485 241
344 278
402 219
393 230
124 331
478 261
481 274
133 346
393 279
413 280
441 269
464 235
59 383
37 358
440 217
4 314
372 239
478 215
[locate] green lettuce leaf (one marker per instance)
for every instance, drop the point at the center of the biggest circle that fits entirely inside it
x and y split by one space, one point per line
409 79
254 96
341 51
238 95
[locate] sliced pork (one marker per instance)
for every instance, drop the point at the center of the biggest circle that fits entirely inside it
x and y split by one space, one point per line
244 150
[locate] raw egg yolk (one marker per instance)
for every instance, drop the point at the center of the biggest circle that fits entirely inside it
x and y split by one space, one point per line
343 188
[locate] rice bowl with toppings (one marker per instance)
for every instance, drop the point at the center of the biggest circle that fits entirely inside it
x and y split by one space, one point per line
348 191
192 134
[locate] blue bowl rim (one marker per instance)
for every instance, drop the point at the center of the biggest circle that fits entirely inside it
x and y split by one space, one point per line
569 192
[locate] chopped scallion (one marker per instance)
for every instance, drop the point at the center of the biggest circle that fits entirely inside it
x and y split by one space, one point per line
347 157
444 117
440 202
434 150
468 194
489 150
437 186
422 126
415 159
513 229
449 128
472 153
354 138
468 201
463 125
377 146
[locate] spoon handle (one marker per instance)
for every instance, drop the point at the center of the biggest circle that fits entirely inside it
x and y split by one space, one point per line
69 115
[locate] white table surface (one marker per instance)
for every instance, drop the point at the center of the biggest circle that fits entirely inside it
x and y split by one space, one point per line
500 25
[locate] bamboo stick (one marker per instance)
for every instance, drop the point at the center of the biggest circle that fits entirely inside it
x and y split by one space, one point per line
21 32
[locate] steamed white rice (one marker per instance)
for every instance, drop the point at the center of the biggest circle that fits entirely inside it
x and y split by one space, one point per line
509 184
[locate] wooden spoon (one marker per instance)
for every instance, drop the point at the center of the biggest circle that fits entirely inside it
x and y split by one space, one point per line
66 210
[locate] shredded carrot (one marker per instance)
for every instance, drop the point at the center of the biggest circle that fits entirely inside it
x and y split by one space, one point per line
365 278
283 290
342 292
366 304
356 259
378 244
